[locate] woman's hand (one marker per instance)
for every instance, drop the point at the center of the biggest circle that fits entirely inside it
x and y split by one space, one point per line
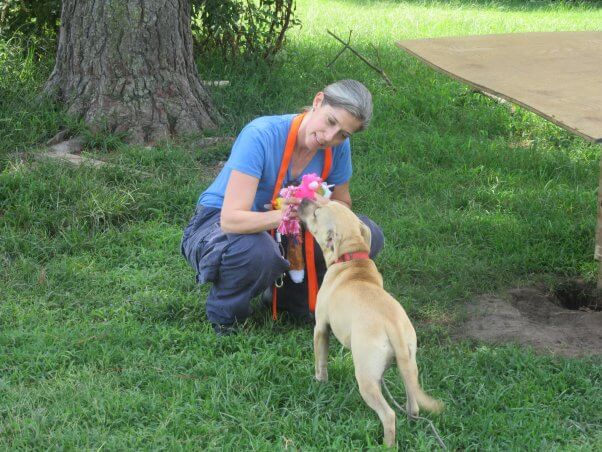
289 207
341 194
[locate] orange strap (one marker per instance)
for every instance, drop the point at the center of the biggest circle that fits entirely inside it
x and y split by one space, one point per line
289 147
312 279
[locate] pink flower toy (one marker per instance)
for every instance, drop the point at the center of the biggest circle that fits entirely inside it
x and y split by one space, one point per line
290 226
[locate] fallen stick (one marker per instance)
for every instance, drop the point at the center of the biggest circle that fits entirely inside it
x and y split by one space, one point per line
360 56
68 151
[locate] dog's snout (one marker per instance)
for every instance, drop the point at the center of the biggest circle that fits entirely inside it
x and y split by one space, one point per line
302 209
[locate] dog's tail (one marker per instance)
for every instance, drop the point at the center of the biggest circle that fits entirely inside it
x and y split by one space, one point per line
405 356
428 403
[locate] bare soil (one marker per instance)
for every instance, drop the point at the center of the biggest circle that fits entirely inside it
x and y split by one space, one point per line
535 317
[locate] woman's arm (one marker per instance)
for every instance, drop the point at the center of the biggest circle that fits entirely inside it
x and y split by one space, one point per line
341 194
237 216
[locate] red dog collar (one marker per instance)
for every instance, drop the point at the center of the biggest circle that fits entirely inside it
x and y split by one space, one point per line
352 256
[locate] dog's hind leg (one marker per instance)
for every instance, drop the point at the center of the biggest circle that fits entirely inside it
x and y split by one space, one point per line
321 338
372 395
369 369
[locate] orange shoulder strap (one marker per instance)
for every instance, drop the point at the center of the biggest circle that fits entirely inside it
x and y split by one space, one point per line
310 261
289 147
312 279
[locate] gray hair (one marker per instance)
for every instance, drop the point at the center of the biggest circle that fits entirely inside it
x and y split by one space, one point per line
351 96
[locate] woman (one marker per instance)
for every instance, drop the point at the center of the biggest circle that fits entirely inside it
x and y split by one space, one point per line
227 241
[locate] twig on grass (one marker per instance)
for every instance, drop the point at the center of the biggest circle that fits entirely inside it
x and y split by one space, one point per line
69 151
377 53
340 51
360 56
399 407
216 83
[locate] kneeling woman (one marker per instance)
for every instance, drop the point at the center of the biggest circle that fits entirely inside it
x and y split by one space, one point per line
228 242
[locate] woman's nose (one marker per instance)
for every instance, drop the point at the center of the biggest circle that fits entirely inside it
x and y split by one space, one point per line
331 133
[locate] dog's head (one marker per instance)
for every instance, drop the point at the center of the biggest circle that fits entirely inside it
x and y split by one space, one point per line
335 227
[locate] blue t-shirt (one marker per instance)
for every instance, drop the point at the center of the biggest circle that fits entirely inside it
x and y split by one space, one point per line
258 152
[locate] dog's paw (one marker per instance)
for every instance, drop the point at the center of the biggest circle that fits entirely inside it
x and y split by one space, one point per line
322 376
412 412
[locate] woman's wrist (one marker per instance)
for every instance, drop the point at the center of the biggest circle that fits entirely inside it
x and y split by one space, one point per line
275 218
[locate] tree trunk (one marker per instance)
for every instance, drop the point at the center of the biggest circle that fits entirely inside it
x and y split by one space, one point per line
127 66
598 248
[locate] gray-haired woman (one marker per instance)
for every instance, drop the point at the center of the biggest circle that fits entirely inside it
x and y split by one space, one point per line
227 241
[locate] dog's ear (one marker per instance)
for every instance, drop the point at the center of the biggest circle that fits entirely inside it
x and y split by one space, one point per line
366 234
330 238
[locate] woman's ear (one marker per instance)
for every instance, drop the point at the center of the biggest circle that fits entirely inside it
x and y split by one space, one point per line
318 100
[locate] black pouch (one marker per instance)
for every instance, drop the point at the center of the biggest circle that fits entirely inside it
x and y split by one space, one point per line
292 296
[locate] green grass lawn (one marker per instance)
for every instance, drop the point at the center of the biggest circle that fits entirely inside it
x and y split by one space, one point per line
104 343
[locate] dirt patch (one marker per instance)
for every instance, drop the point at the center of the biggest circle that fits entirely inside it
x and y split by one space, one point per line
534 317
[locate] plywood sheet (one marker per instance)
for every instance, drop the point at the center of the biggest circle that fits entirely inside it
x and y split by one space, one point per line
557 75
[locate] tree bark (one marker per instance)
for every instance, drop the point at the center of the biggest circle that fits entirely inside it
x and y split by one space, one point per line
598 248
127 66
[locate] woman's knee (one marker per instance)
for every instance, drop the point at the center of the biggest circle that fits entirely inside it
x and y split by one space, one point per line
254 256
377 240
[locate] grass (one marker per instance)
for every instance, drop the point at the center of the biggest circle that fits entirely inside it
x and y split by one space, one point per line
103 340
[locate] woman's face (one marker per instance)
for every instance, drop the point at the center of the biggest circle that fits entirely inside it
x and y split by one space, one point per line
328 126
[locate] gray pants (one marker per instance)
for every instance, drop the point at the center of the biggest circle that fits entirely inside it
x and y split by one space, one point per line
240 266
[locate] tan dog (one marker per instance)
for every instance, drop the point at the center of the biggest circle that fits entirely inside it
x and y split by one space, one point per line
361 314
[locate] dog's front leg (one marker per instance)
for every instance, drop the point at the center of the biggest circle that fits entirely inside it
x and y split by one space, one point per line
321 337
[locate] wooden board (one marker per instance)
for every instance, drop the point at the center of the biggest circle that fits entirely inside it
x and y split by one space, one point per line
557 75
